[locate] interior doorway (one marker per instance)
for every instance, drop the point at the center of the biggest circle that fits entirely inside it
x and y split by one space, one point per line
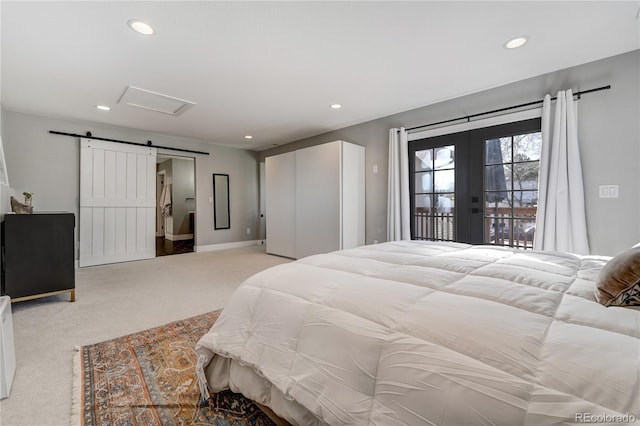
176 205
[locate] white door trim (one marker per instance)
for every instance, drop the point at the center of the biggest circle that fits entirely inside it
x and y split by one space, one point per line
476 124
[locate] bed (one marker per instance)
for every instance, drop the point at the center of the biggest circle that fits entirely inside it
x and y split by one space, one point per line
411 333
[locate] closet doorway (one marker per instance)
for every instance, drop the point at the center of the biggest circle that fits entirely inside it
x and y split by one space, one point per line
176 205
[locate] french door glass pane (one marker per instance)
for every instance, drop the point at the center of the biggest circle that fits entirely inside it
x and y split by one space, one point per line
527 147
511 189
525 175
522 199
434 194
445 157
424 182
499 230
444 180
424 160
498 151
497 178
498 200
445 203
424 203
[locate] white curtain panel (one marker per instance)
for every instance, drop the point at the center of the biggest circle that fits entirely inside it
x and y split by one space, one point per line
398 205
561 220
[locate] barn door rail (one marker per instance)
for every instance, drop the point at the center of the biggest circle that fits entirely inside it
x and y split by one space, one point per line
149 143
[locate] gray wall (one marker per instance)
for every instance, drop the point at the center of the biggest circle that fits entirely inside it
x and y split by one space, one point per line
609 138
608 130
48 165
182 194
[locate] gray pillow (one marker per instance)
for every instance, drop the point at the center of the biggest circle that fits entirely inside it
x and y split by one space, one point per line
619 281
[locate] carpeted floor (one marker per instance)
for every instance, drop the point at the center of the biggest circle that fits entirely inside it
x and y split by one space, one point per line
112 301
149 378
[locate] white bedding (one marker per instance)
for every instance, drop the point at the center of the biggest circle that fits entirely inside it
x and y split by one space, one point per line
429 333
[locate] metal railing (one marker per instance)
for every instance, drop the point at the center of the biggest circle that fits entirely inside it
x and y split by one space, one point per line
435 226
503 226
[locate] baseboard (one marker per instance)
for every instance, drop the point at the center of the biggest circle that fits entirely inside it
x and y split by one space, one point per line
178 237
226 246
117 258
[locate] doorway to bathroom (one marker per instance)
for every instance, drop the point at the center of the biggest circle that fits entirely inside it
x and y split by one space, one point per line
176 205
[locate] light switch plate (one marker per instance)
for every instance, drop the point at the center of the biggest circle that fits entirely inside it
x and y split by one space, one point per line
608 191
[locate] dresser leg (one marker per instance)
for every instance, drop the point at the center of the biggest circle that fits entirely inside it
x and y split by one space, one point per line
73 296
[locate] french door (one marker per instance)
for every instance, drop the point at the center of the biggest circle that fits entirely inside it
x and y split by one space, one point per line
478 186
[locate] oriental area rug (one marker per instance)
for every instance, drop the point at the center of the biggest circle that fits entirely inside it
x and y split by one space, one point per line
149 378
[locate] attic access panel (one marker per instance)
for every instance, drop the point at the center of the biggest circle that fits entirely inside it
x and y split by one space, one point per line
153 101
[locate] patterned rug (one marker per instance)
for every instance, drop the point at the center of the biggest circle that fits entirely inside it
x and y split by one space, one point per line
149 378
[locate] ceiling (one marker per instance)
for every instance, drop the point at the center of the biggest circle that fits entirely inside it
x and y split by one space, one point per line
272 69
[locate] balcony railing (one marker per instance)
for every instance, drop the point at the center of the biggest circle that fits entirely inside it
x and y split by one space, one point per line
503 226
435 226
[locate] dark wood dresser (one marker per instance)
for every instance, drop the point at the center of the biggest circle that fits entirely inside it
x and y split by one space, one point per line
38 255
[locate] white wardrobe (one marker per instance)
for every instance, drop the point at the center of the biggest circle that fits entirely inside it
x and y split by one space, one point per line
315 199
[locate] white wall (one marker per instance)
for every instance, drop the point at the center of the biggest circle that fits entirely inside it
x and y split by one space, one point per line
48 166
609 134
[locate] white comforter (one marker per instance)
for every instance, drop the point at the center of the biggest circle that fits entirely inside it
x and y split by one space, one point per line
426 333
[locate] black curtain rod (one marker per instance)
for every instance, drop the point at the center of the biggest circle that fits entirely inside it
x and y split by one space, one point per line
469 117
148 144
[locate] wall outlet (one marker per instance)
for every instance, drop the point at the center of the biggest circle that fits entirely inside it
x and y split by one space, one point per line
375 241
608 191
248 230
375 168
211 200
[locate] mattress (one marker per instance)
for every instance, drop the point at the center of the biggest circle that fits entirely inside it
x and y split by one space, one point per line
410 332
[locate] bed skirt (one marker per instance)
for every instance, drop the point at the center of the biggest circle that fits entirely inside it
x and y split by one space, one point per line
224 373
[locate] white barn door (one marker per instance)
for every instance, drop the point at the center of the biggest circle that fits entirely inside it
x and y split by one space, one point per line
117 202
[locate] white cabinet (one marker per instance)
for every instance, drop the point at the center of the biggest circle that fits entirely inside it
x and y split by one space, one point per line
315 199
280 207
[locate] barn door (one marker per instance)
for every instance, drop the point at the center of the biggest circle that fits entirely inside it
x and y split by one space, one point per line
117 202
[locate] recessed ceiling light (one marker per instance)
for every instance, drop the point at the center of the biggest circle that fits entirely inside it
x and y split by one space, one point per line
140 27
248 137
516 42
103 107
336 106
